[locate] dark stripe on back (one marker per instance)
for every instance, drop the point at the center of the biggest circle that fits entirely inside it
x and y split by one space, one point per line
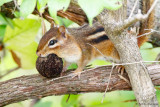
96 31
100 39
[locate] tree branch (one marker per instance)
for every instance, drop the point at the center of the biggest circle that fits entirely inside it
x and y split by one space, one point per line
135 18
126 45
92 80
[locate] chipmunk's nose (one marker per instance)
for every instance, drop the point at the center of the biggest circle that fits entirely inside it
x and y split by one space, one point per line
38 53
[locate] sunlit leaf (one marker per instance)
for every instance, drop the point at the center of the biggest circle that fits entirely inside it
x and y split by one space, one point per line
27 55
91 7
27 7
4 1
21 40
41 5
112 4
24 32
55 5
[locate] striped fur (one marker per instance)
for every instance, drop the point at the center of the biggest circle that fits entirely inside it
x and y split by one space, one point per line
97 36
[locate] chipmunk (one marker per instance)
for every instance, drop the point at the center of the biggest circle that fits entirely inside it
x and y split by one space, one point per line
74 45
80 45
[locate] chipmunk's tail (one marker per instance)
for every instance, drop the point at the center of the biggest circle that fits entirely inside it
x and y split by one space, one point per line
148 23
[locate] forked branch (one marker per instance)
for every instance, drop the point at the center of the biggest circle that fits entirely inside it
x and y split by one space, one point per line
138 17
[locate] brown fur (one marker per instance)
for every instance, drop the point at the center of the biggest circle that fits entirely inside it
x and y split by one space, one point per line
109 50
44 40
146 24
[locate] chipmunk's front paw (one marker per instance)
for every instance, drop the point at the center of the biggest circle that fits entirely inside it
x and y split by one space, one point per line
64 69
120 69
76 73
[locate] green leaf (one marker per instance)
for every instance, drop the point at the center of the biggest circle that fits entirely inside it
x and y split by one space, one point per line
27 7
112 99
91 7
65 22
24 31
2 31
16 14
4 1
5 21
148 52
146 45
41 5
72 101
43 104
72 66
112 4
21 40
27 55
98 62
2 20
55 5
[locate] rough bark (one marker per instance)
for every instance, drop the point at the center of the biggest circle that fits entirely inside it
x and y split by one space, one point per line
126 44
92 80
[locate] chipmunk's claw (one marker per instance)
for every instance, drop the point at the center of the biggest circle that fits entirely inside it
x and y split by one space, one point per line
63 70
121 69
76 74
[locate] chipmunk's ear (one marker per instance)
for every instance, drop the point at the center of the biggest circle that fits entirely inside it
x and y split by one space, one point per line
62 32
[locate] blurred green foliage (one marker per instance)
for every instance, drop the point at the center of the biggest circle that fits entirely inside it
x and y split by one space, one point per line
93 7
55 5
4 1
41 4
30 4
21 35
21 40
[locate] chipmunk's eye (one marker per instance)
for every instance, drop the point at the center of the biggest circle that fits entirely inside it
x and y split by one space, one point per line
52 42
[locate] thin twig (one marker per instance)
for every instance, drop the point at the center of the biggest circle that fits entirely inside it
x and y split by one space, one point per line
157 58
113 65
16 5
152 7
135 4
43 24
148 33
139 16
9 71
68 98
34 102
97 50
120 76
